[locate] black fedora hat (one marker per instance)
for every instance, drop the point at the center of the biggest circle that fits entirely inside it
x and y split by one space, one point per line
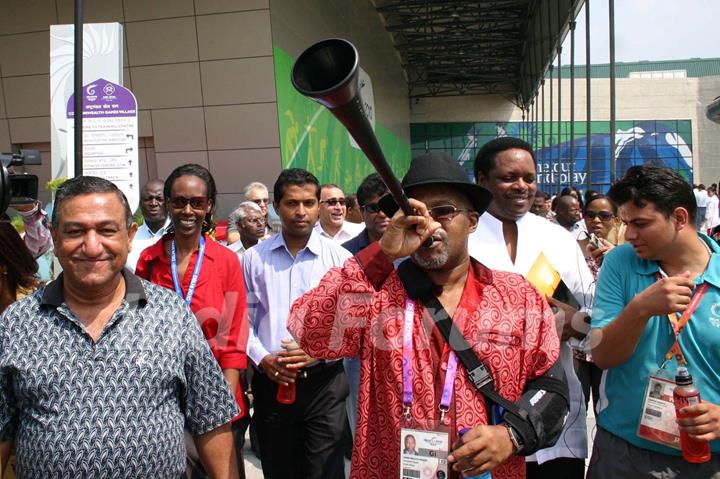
438 168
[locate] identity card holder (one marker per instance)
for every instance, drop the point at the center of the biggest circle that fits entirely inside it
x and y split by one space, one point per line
424 449
657 419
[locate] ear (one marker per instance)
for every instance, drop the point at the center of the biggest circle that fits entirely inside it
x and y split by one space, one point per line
481 179
209 206
474 217
131 233
681 217
55 239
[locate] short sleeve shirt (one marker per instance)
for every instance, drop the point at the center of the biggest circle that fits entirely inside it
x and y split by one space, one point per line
623 275
115 407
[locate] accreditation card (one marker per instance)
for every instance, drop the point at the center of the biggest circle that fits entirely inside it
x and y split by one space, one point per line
657 420
423 454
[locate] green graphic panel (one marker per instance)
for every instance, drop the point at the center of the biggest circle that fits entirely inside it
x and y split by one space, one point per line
311 138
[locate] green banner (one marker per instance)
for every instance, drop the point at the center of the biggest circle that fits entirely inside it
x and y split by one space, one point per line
311 138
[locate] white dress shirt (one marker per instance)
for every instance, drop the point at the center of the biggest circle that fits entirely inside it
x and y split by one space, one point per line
274 279
348 231
144 238
536 235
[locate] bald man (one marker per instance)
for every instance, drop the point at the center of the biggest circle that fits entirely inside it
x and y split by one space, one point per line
567 214
152 205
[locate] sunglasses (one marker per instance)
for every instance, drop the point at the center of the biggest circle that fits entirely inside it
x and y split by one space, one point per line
371 208
446 212
261 200
603 215
334 201
196 203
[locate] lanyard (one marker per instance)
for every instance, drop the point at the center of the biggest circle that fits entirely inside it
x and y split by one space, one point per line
196 271
679 324
407 367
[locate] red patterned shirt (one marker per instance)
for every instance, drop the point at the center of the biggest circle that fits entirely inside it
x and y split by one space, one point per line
358 310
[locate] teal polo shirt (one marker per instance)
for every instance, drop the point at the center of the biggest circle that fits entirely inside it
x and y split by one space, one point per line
622 276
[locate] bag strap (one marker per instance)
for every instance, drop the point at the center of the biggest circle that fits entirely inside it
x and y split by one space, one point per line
419 286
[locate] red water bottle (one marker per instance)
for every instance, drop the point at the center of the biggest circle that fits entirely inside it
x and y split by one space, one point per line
687 394
286 394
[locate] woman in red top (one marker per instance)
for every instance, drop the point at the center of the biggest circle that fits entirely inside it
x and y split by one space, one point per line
206 275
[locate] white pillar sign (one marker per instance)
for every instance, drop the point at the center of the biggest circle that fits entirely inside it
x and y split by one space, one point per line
110 135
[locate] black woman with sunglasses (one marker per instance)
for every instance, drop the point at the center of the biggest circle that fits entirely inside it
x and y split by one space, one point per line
603 231
208 277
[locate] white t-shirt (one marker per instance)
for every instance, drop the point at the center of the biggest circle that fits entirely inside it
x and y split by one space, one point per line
712 215
702 199
536 235
348 231
144 238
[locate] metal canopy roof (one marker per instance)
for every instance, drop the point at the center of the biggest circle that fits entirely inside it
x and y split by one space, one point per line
455 47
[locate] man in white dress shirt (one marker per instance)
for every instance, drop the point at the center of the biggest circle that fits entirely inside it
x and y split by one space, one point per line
152 205
510 238
332 222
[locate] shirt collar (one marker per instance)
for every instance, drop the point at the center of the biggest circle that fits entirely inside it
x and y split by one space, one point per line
157 250
54 294
313 244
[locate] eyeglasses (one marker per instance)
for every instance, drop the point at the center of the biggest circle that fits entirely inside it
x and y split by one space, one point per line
371 208
603 215
261 200
334 201
446 212
196 203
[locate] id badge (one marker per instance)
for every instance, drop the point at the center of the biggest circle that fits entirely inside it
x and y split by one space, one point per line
657 420
423 454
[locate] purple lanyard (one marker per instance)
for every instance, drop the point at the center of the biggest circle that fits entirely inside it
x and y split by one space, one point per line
407 367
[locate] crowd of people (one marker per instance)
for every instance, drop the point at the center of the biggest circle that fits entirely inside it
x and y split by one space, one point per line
465 338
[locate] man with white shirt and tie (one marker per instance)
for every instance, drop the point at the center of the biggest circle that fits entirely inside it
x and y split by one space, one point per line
301 439
152 205
332 223
510 238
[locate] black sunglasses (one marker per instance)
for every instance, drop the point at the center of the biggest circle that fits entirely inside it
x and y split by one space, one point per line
196 203
604 215
334 201
371 208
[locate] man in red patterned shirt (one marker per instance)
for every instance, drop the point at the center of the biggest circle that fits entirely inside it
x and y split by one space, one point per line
410 381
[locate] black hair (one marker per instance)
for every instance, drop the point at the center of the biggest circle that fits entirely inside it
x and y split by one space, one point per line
601 197
87 185
294 176
372 185
350 201
20 266
571 189
590 195
663 187
542 194
199 171
485 158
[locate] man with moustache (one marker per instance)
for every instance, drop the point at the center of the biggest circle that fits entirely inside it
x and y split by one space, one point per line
156 221
331 223
665 274
510 238
408 380
100 371
302 439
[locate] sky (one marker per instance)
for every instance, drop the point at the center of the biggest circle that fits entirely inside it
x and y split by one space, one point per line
649 30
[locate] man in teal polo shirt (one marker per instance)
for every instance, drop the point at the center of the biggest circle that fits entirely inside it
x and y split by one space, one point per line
640 284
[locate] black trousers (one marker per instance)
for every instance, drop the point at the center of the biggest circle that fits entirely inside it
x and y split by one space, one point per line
560 468
302 440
